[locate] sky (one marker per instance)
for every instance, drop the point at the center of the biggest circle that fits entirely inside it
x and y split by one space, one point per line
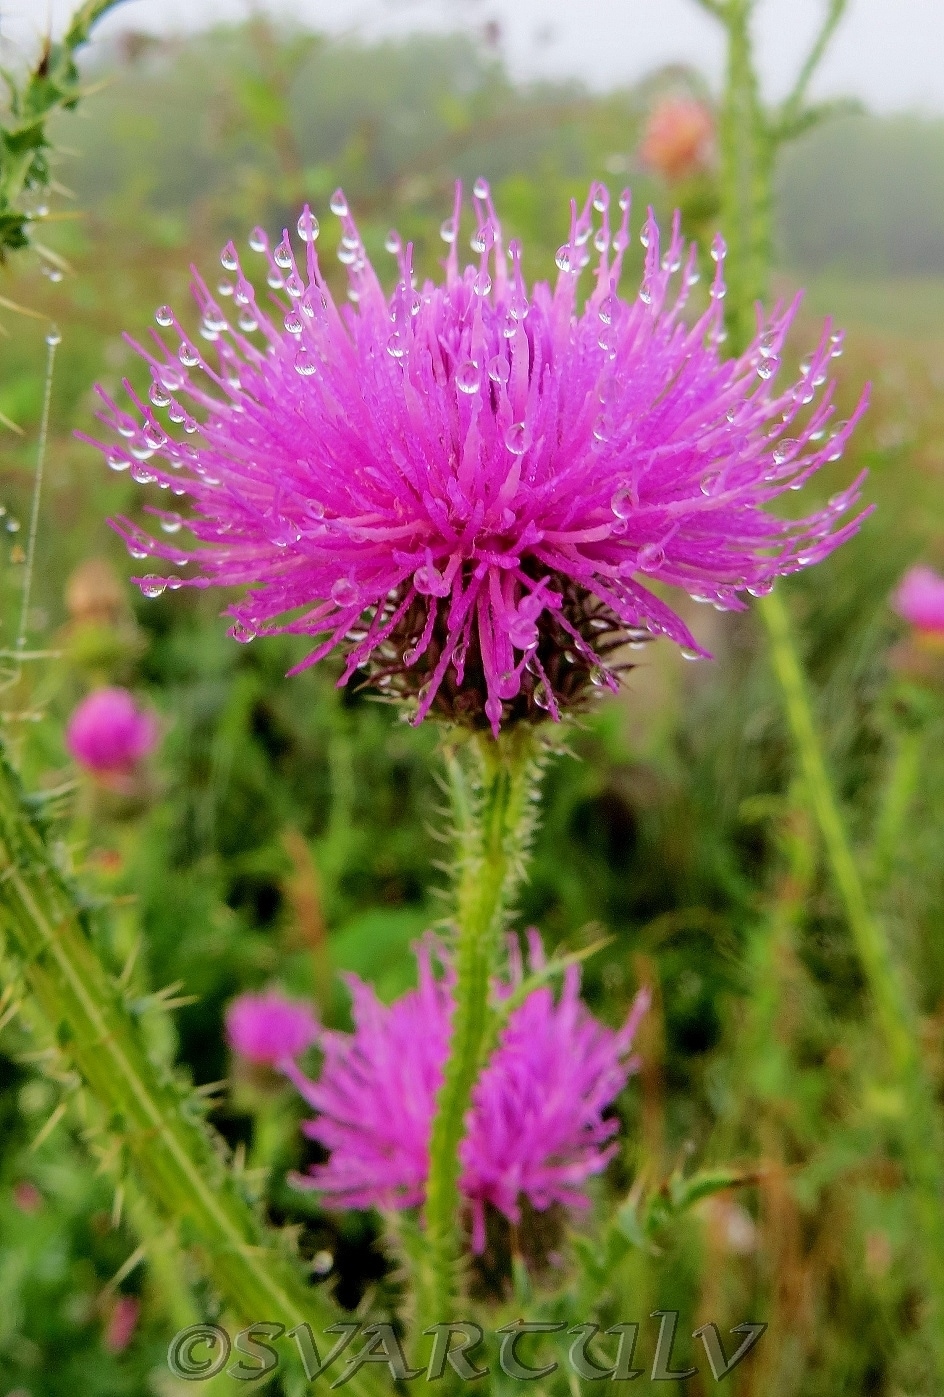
888 53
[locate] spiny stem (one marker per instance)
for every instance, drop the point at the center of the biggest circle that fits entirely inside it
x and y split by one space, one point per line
749 146
153 1118
493 787
52 340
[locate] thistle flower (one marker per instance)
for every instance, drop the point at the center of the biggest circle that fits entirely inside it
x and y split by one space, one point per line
535 1129
267 1028
679 138
109 734
919 600
466 488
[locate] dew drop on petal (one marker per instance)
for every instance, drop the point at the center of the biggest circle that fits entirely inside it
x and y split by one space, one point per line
241 632
152 586
518 438
650 557
480 188
688 654
164 316
229 258
623 502
564 258
493 710
172 523
468 377
308 227
344 592
258 240
117 462
305 364
499 370
282 256
447 230
188 355
338 203
430 582
784 450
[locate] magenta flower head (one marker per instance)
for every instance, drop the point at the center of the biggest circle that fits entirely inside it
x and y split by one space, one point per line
535 1129
268 1028
919 600
467 487
109 734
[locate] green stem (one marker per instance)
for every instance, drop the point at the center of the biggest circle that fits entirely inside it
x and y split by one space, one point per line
749 147
492 786
158 1122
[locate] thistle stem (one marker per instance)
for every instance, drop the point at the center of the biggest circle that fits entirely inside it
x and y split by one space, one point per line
492 786
750 142
155 1119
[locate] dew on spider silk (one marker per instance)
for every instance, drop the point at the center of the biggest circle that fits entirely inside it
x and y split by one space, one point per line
343 591
308 227
468 377
164 316
338 204
518 438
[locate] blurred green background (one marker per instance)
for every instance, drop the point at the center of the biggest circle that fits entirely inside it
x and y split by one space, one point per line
285 833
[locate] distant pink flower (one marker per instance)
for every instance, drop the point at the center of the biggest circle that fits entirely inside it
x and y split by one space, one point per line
920 600
679 137
467 488
535 1129
122 1323
109 734
265 1028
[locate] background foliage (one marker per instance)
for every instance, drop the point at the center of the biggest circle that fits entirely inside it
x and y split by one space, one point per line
286 833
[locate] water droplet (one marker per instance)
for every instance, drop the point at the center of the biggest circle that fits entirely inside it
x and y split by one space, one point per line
499 370
493 710
247 323
767 344
305 364
623 502
717 291
447 230
393 242
468 377
308 226
719 248
688 654
711 483
607 309
164 316
152 586
117 462
396 346
518 438
768 367
645 293
53 336
294 286
480 188
155 436
650 557
224 287
343 591
157 394
429 581
141 474
258 240
784 450
188 355
482 284
136 551
241 632
564 258
229 258
293 323
172 523
338 204
761 589
282 256
644 237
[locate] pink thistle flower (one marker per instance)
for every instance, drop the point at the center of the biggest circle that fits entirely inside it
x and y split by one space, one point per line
535 1129
122 1323
679 138
919 600
267 1028
109 734
467 488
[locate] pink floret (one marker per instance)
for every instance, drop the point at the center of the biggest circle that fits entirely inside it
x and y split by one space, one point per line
535 1130
468 487
920 600
109 734
268 1028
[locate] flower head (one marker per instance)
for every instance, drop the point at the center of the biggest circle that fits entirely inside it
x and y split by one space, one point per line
467 488
268 1028
535 1129
679 137
920 600
109 734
